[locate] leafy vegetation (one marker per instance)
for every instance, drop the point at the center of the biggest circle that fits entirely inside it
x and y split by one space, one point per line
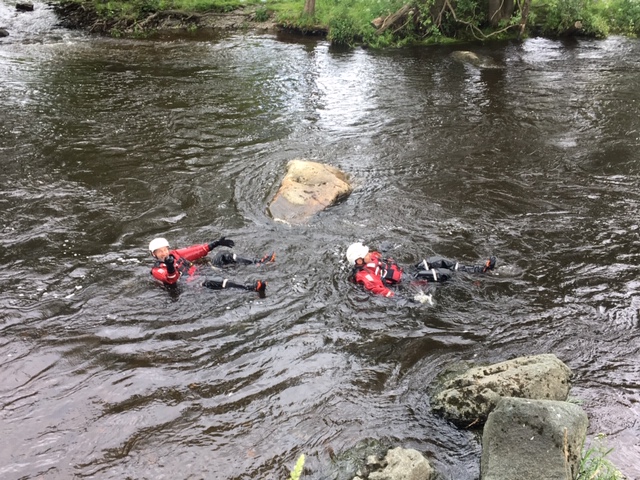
139 8
351 22
297 470
561 16
595 466
626 17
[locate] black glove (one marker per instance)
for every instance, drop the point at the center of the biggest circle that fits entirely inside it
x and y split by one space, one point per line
221 241
169 262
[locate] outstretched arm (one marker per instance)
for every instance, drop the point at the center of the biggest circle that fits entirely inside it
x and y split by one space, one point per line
222 241
193 253
198 251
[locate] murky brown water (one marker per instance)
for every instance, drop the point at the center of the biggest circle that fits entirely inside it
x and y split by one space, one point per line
105 144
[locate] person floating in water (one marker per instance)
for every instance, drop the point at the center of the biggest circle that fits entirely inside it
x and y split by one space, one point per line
377 274
171 265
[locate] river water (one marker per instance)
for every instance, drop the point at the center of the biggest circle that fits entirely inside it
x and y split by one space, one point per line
107 143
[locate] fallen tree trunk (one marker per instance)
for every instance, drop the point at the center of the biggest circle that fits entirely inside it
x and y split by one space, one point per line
394 20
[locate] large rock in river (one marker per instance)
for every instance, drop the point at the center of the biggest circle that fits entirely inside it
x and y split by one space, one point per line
307 188
469 398
533 440
24 7
475 59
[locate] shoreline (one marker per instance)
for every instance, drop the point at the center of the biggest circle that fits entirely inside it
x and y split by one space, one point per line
76 16
84 15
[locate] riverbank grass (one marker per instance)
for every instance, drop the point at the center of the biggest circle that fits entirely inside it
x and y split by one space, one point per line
349 22
138 9
296 473
594 464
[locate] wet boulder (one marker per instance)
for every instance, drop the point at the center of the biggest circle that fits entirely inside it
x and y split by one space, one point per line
360 460
306 189
4 32
533 440
477 60
24 7
468 398
402 464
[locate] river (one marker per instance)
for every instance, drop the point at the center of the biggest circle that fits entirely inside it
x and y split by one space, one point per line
107 143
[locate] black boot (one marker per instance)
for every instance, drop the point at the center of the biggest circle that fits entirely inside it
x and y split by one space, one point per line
259 286
268 258
488 266
223 259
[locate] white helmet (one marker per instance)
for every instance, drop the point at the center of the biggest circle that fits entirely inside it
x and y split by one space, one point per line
356 251
157 243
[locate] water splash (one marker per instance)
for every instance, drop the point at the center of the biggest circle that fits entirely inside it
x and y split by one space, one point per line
37 26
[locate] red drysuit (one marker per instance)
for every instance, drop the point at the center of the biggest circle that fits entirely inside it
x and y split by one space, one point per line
377 274
183 265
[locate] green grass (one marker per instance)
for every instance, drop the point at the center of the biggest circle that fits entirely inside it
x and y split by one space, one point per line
594 464
348 22
599 18
296 473
206 5
625 16
140 8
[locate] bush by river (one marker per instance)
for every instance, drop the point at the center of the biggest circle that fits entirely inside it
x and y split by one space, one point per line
352 22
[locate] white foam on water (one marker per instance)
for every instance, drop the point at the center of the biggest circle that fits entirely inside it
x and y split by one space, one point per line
37 26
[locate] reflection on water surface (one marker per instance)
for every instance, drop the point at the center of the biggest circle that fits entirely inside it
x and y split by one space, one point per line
108 143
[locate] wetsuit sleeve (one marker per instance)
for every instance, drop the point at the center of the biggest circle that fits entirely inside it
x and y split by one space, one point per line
193 253
373 284
160 273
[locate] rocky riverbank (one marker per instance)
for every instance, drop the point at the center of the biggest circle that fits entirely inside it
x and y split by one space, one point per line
74 15
529 429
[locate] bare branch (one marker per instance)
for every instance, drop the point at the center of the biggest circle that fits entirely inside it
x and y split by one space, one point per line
475 31
392 19
497 10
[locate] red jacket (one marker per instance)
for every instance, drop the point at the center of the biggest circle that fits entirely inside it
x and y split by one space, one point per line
376 275
183 265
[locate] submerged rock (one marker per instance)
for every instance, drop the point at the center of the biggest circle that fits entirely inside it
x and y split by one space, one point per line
24 7
480 61
358 461
307 188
